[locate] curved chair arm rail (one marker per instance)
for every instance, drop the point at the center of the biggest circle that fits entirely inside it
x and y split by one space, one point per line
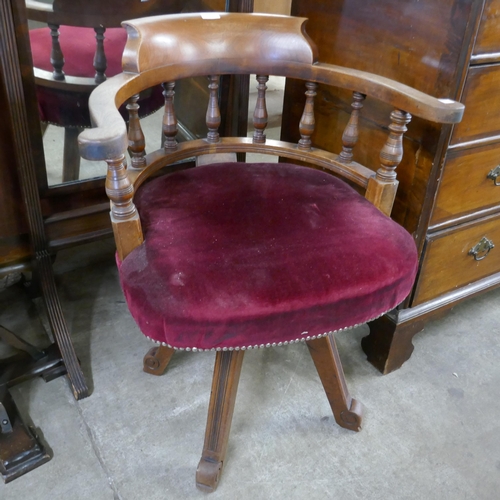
109 139
169 48
274 41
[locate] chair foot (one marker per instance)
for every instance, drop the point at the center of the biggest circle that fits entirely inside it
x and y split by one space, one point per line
220 414
352 418
346 410
207 475
156 360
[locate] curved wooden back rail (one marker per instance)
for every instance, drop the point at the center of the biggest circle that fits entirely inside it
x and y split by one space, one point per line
168 48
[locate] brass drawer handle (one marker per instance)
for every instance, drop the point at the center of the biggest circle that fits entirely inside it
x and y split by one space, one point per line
482 249
494 175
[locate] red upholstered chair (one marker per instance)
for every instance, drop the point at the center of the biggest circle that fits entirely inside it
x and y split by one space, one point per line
233 256
82 45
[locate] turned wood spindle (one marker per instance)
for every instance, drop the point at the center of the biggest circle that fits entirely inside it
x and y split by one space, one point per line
213 113
100 62
260 113
392 152
351 132
56 55
306 126
120 190
136 140
169 125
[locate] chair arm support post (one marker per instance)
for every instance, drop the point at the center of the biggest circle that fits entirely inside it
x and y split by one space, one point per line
56 55
213 117
351 132
100 61
382 188
124 217
136 139
169 124
307 122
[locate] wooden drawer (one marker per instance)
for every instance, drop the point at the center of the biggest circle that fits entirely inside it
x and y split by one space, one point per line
482 105
465 187
446 263
488 37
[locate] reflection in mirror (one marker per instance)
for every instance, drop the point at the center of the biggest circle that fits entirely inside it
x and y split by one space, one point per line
53 144
76 45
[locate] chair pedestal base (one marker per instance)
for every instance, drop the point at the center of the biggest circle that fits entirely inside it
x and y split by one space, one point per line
20 449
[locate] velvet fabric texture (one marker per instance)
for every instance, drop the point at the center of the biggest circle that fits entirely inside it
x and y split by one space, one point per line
238 255
78 45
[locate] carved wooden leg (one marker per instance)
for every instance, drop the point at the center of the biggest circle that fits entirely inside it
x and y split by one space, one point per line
220 413
157 359
389 343
71 157
346 410
43 268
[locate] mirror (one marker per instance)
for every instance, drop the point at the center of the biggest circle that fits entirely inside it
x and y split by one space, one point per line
65 74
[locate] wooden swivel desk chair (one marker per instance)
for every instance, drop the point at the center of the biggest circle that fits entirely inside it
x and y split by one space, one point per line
82 45
233 256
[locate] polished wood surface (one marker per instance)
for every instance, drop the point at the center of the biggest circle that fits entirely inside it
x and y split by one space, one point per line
416 43
449 263
487 46
421 44
468 184
482 102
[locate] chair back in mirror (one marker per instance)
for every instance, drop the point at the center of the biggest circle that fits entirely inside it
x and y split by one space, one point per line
232 256
81 45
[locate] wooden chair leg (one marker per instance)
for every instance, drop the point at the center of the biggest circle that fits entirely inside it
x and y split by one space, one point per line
71 157
220 413
157 359
346 410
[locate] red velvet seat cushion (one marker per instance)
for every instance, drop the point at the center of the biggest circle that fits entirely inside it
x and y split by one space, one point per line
78 45
240 255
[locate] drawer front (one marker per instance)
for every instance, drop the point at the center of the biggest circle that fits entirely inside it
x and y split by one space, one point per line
482 105
470 181
447 264
488 37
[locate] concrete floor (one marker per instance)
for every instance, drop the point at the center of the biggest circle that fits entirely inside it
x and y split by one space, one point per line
431 429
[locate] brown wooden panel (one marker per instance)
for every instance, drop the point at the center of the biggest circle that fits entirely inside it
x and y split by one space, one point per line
482 105
447 264
417 43
465 186
423 44
488 37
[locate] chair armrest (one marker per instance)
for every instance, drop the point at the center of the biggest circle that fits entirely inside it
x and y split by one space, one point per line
109 138
396 94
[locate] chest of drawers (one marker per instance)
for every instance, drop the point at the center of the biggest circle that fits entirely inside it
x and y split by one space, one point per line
449 196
